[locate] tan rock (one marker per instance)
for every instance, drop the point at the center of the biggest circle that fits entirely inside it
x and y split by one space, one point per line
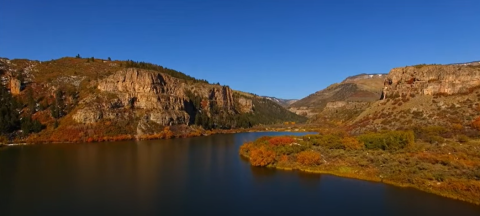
433 79
15 86
87 115
172 117
246 105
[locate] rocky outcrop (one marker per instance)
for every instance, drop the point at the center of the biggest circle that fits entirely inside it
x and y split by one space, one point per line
222 97
157 97
169 117
303 111
15 86
160 96
432 80
87 115
345 105
245 105
145 89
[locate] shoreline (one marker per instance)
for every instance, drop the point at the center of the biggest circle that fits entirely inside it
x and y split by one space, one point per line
372 179
145 137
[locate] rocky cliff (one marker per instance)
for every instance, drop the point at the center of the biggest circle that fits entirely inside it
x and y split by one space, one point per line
158 98
424 96
432 80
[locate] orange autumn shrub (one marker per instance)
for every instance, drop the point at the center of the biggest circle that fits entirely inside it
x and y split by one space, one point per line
309 158
351 143
282 140
262 156
245 148
476 123
283 158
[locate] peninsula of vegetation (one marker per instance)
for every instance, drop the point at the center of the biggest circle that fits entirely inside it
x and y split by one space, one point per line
449 168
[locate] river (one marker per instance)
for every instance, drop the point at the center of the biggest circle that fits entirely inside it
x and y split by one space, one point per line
191 176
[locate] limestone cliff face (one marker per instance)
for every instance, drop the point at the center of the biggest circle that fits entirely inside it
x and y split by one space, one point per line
145 89
156 97
160 96
223 97
432 79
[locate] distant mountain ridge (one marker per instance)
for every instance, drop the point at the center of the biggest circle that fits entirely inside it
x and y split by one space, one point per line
357 88
282 102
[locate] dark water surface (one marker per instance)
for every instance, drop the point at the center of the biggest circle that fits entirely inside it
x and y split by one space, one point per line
193 176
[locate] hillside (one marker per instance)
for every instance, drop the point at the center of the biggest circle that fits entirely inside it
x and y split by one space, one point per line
78 98
444 98
352 93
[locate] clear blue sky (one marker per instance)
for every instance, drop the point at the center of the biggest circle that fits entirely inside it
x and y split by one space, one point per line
287 49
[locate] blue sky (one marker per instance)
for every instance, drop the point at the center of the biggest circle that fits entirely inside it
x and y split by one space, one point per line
287 49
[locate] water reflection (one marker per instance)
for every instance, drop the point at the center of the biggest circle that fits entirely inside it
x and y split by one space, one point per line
262 172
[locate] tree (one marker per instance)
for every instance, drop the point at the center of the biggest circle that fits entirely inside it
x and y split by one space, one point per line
109 59
9 117
92 59
30 126
57 108
78 56
31 102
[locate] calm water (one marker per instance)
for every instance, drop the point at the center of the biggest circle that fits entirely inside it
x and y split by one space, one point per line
194 176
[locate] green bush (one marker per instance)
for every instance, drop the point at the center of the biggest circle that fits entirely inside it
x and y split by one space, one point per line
391 140
290 149
462 138
29 125
329 141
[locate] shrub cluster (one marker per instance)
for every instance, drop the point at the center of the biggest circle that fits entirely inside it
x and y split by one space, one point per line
309 158
391 140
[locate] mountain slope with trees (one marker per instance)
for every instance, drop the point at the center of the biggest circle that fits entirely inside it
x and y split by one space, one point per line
82 99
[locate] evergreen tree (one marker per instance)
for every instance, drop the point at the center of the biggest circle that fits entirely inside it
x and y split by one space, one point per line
30 126
9 117
78 56
31 103
57 108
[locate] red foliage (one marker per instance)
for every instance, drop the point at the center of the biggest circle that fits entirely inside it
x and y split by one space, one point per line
476 123
276 141
204 103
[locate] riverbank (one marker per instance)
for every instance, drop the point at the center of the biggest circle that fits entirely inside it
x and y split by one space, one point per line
167 133
398 184
450 169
